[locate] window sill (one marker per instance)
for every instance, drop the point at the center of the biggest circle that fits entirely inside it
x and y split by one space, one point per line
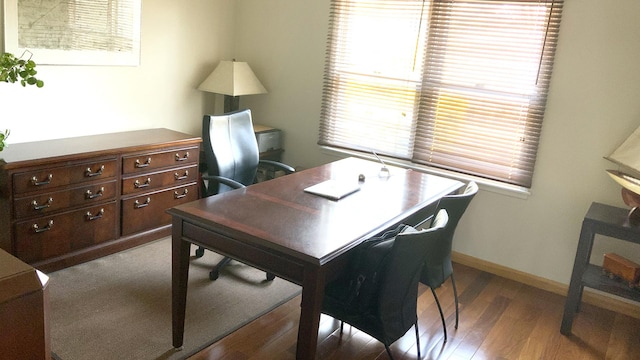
484 184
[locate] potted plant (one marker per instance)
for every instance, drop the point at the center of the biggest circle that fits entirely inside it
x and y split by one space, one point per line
14 69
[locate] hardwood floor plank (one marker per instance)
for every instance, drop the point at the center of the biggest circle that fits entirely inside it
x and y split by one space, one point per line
354 344
473 290
479 331
463 342
625 339
545 339
471 309
512 331
595 325
500 287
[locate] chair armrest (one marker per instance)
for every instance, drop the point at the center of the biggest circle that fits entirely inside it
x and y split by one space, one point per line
223 180
288 169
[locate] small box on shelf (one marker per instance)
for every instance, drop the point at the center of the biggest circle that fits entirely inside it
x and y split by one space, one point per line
616 266
269 139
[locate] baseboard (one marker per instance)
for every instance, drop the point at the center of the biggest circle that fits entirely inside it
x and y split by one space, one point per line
589 296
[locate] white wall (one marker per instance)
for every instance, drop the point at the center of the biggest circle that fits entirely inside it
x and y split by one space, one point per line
182 42
593 105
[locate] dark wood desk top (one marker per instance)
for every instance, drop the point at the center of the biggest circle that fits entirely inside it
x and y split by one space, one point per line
278 215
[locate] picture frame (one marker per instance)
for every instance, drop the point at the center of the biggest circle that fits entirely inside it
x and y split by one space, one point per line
81 32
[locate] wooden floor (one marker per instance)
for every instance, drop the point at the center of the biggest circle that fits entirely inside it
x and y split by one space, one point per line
499 319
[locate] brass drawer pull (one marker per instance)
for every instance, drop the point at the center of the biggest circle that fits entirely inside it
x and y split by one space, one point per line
36 182
180 196
138 185
138 164
89 173
178 177
97 216
43 206
90 195
138 205
185 157
38 230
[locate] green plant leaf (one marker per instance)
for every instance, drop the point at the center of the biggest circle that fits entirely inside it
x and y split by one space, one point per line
13 69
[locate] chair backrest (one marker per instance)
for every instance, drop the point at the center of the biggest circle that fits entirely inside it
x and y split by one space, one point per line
231 148
399 287
437 267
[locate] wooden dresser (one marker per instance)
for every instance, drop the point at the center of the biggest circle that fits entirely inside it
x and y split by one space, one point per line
67 201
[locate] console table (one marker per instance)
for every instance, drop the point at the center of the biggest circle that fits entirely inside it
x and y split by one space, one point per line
67 201
608 221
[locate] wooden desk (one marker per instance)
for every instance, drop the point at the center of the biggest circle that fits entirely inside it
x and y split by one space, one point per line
300 237
608 221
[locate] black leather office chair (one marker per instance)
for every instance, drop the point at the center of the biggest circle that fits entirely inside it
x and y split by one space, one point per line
437 265
232 159
388 310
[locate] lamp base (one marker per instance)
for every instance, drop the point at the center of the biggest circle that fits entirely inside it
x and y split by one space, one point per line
231 103
632 200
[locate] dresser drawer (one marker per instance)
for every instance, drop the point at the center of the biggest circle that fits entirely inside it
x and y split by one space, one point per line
152 181
151 161
149 211
39 204
46 179
50 236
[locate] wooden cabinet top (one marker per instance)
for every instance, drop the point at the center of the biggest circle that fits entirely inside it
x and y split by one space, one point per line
41 152
17 278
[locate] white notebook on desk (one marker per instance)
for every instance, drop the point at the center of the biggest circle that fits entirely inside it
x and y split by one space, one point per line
333 189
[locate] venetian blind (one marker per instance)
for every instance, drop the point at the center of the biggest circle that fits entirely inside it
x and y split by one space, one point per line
454 84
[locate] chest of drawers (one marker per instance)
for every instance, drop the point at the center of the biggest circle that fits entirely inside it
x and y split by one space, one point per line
67 201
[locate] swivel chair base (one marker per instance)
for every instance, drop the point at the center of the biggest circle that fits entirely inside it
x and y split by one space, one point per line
215 272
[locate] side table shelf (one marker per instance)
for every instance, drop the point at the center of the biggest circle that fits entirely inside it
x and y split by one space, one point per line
594 278
609 221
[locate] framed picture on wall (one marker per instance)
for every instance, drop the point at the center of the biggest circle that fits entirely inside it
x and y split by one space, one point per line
74 32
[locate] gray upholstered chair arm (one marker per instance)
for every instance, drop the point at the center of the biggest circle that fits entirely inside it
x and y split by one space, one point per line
288 169
223 180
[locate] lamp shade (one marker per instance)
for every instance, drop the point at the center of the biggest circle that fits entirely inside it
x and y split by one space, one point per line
233 78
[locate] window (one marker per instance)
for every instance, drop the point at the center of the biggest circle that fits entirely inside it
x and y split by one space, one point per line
455 84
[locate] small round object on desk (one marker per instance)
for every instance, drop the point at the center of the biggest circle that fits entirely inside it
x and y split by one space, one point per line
361 177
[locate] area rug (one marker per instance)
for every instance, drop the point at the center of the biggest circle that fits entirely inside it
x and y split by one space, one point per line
119 306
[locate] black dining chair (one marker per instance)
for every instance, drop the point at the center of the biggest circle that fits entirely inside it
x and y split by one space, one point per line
232 158
382 303
437 262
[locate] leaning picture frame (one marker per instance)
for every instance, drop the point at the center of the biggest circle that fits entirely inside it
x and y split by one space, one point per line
80 32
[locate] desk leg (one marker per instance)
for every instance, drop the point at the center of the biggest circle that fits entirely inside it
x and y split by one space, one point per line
179 276
312 294
574 294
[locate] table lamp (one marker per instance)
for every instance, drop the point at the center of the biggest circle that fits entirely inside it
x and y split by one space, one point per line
232 79
627 156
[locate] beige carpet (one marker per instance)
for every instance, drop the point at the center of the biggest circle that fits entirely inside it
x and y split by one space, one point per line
119 306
